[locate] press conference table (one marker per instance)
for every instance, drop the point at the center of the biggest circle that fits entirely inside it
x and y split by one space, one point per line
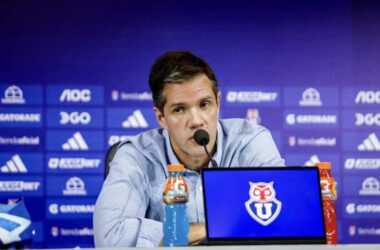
270 247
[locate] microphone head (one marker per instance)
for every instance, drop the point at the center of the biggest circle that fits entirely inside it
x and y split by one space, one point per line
201 137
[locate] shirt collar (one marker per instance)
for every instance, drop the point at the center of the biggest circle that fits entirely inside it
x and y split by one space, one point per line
217 156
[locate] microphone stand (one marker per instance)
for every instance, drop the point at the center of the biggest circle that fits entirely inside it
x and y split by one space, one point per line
214 164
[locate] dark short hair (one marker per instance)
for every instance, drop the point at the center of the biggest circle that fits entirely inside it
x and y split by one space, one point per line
176 67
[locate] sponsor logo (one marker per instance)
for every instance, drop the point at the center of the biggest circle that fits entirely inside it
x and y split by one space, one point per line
312 141
75 186
362 163
24 140
12 227
251 96
56 231
371 143
73 163
115 95
144 96
13 95
312 161
368 119
75 95
310 97
368 97
253 115
293 119
136 120
14 165
370 186
74 209
20 117
352 230
363 231
353 208
263 206
19 186
76 142
74 118
116 138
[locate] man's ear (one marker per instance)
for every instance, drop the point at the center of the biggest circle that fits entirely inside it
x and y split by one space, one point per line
160 117
218 98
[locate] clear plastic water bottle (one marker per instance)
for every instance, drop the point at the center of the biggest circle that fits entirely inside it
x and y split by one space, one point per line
176 223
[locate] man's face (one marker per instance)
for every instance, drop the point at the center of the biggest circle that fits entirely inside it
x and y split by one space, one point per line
189 106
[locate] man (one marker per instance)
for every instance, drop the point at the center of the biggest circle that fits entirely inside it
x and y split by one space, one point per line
129 209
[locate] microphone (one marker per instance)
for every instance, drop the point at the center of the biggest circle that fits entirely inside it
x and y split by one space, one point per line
202 138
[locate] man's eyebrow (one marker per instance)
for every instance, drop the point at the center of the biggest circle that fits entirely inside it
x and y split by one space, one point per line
176 104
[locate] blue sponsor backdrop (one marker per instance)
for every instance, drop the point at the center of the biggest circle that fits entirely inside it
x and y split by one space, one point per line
307 70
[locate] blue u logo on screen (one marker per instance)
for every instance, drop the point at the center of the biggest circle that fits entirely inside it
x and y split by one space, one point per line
263 206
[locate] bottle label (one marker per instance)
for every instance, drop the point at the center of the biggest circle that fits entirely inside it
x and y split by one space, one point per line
176 190
328 188
329 212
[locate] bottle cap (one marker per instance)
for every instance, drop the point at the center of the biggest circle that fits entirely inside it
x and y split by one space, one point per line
176 168
323 165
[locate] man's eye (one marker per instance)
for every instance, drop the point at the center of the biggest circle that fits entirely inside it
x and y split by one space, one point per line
205 104
178 110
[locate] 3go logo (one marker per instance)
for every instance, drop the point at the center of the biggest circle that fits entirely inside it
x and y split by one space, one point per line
369 119
74 118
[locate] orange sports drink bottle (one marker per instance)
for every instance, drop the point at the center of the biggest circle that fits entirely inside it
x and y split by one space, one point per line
329 196
176 194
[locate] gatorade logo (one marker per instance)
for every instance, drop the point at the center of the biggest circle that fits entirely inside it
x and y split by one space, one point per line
263 206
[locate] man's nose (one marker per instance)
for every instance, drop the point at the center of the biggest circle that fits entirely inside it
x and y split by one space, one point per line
195 119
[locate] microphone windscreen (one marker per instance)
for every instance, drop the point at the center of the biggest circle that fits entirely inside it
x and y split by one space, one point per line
201 137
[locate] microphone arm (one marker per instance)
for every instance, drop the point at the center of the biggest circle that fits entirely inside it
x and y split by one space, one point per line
214 164
202 138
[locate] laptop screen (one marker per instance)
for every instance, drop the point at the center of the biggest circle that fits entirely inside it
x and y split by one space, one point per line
263 205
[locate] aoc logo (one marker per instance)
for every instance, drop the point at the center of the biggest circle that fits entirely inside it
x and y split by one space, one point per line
75 95
13 95
368 97
263 206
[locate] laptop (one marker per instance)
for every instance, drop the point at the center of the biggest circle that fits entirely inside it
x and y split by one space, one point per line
266 205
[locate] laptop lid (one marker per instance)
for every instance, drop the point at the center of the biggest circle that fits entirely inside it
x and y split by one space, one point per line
266 205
